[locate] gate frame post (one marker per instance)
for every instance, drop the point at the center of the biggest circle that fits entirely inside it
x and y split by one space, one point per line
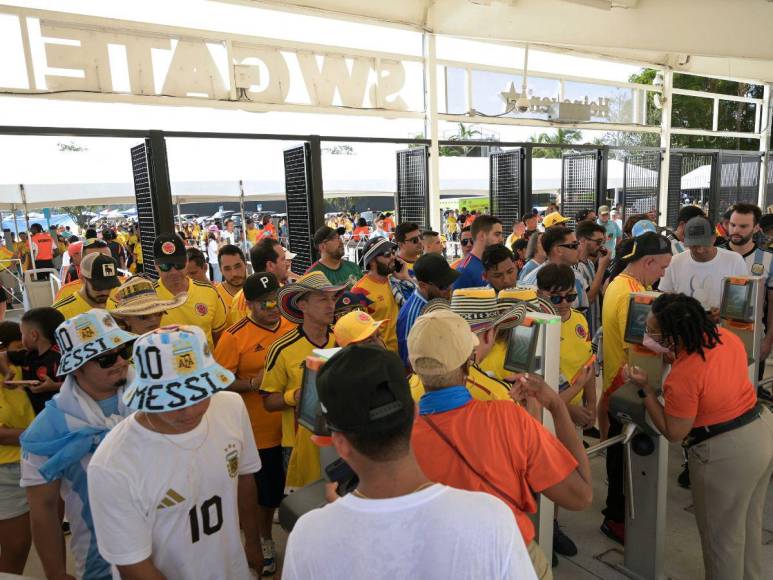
431 130
765 119
665 142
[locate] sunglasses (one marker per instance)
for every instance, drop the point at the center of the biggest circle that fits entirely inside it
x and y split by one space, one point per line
267 304
556 299
386 254
466 242
108 359
413 240
570 246
169 267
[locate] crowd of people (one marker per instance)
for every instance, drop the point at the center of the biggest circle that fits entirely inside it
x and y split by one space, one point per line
158 419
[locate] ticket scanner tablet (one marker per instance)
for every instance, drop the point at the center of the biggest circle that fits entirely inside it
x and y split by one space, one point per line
308 409
741 310
522 348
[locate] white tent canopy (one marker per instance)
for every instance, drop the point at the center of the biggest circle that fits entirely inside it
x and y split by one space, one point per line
202 172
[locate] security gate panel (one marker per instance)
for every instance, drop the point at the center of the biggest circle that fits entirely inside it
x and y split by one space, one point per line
412 197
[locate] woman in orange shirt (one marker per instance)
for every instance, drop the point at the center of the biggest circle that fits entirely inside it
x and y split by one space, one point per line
711 405
362 231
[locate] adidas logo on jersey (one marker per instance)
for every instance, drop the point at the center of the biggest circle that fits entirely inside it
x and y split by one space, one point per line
259 348
172 498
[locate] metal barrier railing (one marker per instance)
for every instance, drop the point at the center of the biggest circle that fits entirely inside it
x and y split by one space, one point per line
11 279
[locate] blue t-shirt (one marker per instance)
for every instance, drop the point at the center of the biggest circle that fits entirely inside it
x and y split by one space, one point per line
409 312
109 406
470 273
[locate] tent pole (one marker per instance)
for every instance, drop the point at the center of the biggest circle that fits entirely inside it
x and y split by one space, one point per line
15 224
243 229
179 215
27 224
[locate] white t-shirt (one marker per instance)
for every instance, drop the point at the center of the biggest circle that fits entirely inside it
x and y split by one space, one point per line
212 248
437 533
173 498
702 280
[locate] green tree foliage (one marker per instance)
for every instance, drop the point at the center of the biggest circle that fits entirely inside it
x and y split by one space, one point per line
560 137
697 113
81 214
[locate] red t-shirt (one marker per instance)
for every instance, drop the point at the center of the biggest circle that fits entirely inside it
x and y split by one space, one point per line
504 444
715 390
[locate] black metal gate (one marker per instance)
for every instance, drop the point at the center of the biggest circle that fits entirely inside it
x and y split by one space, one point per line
641 182
509 185
412 197
715 180
691 179
154 196
583 182
739 179
304 206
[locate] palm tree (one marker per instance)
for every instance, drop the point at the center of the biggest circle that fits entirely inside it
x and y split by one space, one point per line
561 137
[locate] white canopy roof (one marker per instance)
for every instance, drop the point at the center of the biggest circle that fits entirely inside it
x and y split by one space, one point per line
211 172
711 37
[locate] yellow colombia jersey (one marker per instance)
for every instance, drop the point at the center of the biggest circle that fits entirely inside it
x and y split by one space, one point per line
203 308
494 363
15 413
226 296
382 306
576 351
614 316
72 305
285 362
481 386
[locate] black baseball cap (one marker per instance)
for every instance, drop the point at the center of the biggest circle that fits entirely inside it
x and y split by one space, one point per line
169 249
648 244
101 271
363 389
324 233
9 332
259 284
434 269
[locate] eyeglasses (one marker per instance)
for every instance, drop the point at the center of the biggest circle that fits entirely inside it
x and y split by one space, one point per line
466 242
413 240
570 246
168 267
596 240
386 254
108 359
557 299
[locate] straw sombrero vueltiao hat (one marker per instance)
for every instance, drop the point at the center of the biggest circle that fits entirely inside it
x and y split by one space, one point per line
137 297
311 282
526 296
479 307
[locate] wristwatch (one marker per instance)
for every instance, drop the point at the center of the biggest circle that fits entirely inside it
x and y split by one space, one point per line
642 394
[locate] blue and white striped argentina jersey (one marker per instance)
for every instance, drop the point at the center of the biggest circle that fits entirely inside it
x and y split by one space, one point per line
759 262
584 273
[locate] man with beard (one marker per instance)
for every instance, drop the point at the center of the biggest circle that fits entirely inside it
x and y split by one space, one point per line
203 307
331 263
744 223
230 258
99 275
90 246
268 255
409 244
383 285
589 270
434 278
58 446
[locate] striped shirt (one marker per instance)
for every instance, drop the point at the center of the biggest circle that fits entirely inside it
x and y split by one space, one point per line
585 273
410 311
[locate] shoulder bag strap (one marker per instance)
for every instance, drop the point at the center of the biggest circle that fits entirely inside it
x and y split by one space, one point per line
444 437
